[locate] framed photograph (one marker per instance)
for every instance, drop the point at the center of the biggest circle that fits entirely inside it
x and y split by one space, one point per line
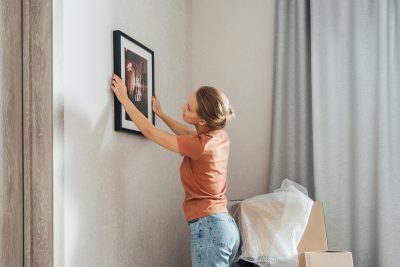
134 63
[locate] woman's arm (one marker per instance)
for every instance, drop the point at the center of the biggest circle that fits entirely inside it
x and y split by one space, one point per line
156 135
177 127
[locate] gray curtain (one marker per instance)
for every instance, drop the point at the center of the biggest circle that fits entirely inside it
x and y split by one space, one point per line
336 122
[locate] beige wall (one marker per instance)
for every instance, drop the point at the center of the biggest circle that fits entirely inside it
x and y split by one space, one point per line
118 196
232 47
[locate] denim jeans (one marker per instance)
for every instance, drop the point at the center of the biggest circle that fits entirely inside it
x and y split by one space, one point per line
214 240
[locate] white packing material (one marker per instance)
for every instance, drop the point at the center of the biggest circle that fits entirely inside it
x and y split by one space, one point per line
271 225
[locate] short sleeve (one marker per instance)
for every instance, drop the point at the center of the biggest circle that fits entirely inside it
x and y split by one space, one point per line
191 146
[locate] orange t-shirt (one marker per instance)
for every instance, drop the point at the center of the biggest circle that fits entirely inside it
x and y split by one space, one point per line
203 173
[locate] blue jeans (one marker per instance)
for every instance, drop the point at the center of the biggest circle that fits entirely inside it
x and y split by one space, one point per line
214 240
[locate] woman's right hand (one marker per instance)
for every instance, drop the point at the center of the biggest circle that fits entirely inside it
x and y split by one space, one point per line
156 106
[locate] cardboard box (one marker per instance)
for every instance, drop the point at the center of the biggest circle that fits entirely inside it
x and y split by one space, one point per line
313 246
326 259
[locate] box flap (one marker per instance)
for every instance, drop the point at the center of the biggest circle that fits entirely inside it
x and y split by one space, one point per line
314 237
326 259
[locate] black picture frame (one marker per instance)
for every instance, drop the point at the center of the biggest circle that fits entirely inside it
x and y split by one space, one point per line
134 64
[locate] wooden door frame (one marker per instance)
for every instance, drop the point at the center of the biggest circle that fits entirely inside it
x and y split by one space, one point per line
37 62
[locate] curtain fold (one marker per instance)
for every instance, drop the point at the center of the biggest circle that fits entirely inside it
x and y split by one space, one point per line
352 144
291 144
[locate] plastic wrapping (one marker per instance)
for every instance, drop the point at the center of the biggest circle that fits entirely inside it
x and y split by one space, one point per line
271 225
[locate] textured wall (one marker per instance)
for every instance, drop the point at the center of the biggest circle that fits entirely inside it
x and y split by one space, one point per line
233 50
122 193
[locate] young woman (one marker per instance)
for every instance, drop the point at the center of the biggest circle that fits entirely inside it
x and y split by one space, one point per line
214 234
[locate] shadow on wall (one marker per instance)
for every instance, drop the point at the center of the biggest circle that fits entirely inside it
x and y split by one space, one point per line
99 226
114 197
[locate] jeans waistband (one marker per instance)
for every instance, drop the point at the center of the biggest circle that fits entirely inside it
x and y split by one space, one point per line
211 215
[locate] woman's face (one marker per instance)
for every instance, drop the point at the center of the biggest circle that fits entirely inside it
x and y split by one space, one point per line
189 110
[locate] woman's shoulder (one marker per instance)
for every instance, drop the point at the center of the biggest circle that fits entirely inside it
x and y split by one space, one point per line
215 135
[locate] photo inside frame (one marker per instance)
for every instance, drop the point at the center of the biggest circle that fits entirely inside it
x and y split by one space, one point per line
136 81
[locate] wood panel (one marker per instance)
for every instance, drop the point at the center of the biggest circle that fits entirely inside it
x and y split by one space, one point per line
11 170
37 133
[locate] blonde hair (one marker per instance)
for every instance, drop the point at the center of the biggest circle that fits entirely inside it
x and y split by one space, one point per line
214 107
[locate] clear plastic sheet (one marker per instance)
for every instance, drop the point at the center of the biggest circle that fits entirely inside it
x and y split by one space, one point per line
271 225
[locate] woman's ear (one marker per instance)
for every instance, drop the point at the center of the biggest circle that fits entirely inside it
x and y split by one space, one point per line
202 122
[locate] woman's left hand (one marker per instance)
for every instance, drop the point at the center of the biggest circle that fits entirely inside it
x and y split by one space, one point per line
119 88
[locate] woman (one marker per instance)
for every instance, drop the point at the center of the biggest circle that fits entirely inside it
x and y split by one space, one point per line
214 234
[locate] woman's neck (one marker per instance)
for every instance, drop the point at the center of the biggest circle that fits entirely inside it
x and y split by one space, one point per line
201 129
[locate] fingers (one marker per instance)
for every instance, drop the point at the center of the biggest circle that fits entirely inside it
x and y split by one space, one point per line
155 103
118 86
116 78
